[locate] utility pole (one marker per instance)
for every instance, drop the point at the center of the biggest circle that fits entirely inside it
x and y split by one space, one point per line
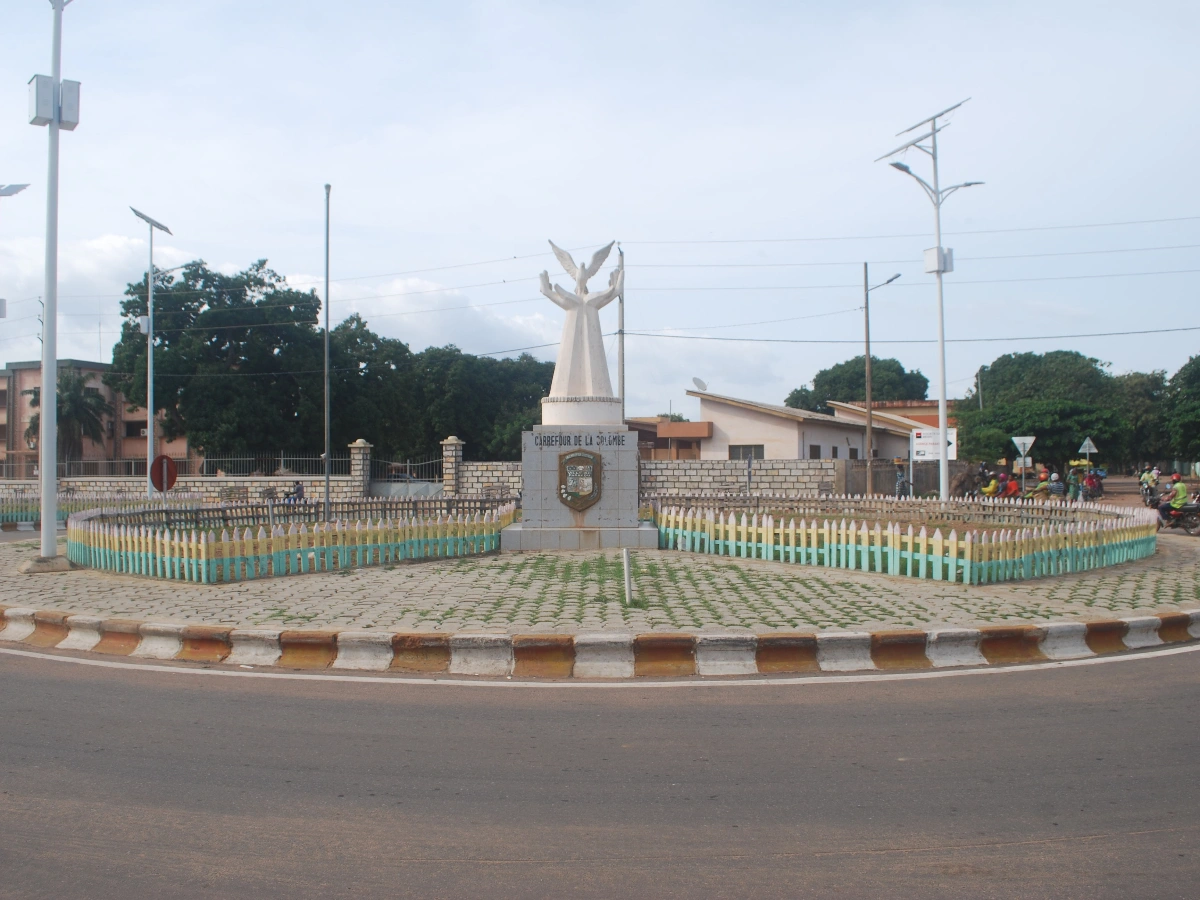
979 385
867 335
55 103
621 336
867 341
938 260
328 431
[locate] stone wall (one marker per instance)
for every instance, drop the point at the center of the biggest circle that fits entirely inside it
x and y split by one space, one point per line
341 487
694 476
502 479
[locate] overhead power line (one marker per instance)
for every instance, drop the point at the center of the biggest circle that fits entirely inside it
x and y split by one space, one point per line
979 340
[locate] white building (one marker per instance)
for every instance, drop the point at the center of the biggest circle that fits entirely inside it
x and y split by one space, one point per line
744 429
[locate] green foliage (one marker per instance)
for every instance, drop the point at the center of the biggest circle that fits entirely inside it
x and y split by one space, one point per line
1182 416
847 382
1057 375
1060 427
672 417
239 369
1063 397
80 413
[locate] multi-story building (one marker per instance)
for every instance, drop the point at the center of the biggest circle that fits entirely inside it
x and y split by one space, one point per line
122 449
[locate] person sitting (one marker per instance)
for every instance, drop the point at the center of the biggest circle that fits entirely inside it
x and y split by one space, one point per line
1042 489
1176 497
1010 487
1057 488
992 487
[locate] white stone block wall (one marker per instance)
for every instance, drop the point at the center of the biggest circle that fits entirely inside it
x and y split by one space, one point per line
500 479
693 476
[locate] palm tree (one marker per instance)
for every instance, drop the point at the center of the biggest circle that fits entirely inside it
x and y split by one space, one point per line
81 412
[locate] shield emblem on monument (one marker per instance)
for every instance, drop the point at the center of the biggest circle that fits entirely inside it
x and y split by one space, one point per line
579 478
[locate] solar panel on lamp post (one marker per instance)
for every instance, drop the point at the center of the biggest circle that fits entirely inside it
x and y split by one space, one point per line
150 348
939 262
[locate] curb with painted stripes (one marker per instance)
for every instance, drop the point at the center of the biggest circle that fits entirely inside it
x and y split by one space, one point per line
600 655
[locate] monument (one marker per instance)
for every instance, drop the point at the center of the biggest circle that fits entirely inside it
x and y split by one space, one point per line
579 467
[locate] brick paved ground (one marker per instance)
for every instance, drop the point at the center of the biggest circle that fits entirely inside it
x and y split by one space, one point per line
568 592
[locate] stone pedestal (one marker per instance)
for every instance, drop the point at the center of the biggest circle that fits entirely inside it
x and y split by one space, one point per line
607 521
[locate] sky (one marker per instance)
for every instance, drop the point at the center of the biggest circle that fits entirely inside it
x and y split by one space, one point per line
729 147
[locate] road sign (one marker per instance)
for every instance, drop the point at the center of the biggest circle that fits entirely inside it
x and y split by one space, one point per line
927 444
163 473
1024 443
1088 447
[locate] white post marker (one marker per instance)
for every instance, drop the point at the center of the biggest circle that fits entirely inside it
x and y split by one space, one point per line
628 577
1023 444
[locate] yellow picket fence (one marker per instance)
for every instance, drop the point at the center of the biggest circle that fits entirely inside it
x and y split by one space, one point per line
209 558
974 557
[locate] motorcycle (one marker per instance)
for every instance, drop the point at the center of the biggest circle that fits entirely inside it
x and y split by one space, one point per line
1186 517
1150 495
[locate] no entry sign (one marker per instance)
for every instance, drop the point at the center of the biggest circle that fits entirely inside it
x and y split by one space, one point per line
163 473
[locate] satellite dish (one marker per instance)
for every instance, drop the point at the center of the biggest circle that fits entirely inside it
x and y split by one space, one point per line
700 385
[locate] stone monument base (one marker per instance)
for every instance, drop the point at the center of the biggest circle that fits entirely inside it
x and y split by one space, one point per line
520 537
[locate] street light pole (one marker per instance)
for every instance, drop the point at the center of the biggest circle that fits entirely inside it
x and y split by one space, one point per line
328 431
938 260
867 335
621 337
151 224
48 443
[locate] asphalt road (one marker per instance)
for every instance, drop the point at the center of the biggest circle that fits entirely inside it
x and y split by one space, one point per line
1078 782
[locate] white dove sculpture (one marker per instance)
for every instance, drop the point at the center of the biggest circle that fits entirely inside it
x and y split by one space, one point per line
581 369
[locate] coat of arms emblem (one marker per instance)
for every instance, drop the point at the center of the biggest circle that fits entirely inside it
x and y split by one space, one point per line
579 478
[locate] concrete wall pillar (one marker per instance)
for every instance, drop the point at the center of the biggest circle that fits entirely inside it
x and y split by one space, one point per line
360 468
452 454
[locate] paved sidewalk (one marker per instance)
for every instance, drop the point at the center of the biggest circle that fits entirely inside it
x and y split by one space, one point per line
581 591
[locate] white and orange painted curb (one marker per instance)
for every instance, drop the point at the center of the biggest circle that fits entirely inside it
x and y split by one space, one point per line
599 655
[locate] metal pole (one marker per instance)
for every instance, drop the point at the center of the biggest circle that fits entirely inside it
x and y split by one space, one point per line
621 337
979 385
48 446
943 458
867 332
328 433
150 368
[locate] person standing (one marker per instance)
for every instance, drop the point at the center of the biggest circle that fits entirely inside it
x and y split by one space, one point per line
1073 485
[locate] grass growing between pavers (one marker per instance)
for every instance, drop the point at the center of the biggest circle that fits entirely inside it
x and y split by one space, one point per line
584 591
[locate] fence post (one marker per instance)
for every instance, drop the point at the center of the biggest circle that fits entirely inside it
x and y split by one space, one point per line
360 468
452 454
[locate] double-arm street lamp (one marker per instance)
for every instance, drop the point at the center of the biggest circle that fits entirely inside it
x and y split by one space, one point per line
150 348
938 260
867 334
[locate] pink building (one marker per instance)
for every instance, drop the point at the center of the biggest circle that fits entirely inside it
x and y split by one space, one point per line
122 450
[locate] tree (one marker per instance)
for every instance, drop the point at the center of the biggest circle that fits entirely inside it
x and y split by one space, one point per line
239 369
1182 418
80 413
1059 425
1061 397
847 382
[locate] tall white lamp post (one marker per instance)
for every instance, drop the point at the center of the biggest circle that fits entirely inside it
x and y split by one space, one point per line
150 348
938 260
328 429
52 102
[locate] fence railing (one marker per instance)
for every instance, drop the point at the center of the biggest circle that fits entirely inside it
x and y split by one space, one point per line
406 469
1008 512
207 557
25 468
972 557
25 507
